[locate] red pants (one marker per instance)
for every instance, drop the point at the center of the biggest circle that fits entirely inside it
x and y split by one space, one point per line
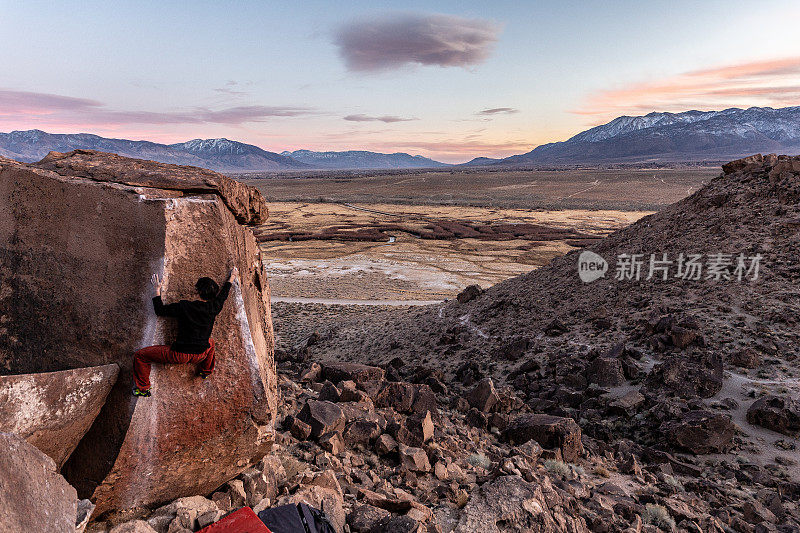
164 354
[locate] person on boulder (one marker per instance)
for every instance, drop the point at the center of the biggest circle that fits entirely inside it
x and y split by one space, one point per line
193 344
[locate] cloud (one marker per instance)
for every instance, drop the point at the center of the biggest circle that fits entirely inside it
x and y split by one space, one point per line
392 41
761 83
498 111
384 118
20 102
33 107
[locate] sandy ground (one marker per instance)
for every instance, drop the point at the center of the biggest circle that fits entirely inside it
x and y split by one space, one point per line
633 189
410 268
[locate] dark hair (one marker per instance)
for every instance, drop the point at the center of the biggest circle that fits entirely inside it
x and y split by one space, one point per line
207 288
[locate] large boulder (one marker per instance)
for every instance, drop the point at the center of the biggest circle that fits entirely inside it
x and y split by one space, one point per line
54 410
80 235
33 495
700 432
551 432
778 413
685 377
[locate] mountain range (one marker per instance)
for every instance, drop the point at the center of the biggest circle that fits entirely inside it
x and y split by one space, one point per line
665 137
216 154
362 159
652 138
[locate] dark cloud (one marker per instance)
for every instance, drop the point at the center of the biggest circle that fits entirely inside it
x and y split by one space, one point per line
498 111
383 118
41 107
392 41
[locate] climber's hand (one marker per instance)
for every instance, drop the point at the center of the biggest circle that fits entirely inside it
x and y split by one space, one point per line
157 283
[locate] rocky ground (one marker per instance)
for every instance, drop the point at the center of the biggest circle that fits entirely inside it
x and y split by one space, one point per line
381 454
549 404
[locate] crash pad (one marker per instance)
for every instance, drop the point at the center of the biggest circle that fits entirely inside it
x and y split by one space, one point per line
243 520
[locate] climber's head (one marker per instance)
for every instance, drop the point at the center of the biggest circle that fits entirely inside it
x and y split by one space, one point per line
207 288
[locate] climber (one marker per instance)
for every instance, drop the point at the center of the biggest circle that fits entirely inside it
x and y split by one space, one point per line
195 322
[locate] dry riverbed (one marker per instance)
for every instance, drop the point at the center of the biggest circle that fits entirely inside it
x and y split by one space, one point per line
404 267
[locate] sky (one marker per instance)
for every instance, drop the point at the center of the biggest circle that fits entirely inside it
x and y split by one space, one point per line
447 80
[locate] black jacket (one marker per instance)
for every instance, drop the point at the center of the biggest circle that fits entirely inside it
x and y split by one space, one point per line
195 320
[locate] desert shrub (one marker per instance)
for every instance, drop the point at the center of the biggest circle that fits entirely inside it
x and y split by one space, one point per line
658 516
557 467
479 460
602 471
674 483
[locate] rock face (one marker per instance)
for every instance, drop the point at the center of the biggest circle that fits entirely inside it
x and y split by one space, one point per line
33 496
54 410
80 235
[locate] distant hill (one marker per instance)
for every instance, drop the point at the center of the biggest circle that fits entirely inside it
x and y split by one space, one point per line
215 154
358 159
687 136
480 162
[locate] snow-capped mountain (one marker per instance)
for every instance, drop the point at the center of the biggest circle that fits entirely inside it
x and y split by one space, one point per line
362 160
216 154
688 136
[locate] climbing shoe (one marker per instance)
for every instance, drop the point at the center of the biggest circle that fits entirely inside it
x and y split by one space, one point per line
204 375
138 392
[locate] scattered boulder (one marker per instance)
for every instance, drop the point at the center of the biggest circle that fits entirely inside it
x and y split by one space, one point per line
329 393
483 396
555 327
745 358
332 442
364 517
33 495
88 210
181 513
700 432
686 377
336 372
299 429
414 459
134 526
397 395
84 514
385 444
627 404
551 432
476 419
322 416
778 413
469 294
361 431
54 410
606 372
509 503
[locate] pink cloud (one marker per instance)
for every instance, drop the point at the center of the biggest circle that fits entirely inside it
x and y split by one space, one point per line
55 110
763 83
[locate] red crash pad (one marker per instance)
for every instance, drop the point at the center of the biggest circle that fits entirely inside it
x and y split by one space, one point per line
242 521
